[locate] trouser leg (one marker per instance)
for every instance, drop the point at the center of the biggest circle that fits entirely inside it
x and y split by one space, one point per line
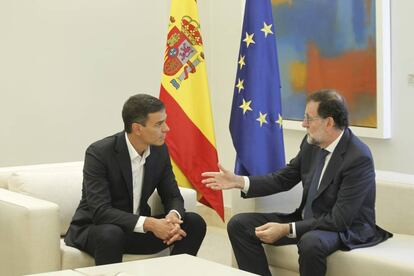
105 243
247 248
314 247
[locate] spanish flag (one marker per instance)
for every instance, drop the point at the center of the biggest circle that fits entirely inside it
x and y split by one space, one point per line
184 91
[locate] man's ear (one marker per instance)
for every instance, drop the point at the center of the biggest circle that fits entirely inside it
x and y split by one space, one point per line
330 122
136 128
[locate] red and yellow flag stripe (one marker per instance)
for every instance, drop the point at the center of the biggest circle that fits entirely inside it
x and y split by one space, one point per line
185 93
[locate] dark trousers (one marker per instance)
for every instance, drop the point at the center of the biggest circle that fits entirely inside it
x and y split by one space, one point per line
313 246
108 242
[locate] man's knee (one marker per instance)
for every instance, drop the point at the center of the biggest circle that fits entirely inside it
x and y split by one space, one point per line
109 235
106 243
312 244
236 224
195 223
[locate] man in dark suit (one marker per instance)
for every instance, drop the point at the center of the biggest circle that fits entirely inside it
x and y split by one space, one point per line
338 202
119 175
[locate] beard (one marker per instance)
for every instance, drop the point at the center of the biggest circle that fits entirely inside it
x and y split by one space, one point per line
312 140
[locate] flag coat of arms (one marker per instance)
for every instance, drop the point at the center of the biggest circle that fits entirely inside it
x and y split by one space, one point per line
256 116
184 91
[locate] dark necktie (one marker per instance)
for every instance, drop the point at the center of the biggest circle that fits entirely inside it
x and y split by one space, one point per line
313 188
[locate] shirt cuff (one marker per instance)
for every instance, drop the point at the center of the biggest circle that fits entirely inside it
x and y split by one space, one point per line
139 227
175 211
293 235
246 184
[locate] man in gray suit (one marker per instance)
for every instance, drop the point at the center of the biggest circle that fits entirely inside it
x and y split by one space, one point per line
338 202
119 175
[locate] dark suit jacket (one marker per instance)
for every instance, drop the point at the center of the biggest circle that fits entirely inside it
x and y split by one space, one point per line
107 188
345 201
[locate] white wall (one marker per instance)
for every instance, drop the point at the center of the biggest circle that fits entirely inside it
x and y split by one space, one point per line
66 67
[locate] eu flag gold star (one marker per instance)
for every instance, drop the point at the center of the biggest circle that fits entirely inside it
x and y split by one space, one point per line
267 29
279 121
262 119
249 39
246 106
241 61
240 85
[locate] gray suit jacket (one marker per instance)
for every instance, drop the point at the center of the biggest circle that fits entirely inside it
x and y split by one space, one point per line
107 193
345 201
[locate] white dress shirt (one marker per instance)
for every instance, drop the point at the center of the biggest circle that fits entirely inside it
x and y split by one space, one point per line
137 165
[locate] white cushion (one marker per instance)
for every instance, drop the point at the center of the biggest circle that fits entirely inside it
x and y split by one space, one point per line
6 172
3 180
392 257
72 257
285 256
62 186
394 207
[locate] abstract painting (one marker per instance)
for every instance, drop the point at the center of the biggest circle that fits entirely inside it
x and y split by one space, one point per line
328 44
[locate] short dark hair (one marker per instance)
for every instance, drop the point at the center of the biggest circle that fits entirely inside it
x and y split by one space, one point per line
137 108
331 104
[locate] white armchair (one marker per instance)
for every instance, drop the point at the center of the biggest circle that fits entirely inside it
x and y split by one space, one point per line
37 203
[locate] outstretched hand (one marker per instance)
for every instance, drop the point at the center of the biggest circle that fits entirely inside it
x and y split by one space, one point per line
222 180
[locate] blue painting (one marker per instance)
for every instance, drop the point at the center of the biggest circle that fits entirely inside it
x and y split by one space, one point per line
327 44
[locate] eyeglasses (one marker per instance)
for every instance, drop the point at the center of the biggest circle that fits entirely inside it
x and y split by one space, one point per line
307 118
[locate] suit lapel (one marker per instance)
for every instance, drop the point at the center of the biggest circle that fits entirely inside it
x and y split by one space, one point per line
334 163
124 162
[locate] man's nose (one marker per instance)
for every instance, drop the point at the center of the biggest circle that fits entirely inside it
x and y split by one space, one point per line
166 128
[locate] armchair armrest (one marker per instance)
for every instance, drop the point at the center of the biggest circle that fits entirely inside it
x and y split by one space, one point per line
29 234
190 199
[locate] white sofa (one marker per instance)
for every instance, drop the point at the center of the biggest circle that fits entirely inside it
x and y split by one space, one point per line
37 203
394 212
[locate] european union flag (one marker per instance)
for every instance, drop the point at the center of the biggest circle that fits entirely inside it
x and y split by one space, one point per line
256 117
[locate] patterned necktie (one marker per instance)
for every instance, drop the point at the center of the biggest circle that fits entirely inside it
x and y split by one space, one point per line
313 188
